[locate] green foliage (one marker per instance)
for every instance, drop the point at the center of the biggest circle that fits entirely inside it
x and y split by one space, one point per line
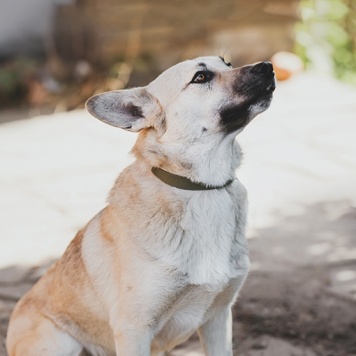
326 36
13 77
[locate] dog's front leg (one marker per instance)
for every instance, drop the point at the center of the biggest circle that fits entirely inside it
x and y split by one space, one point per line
216 334
132 341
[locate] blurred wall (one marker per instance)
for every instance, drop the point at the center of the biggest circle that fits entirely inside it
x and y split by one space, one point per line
25 25
167 31
83 43
175 29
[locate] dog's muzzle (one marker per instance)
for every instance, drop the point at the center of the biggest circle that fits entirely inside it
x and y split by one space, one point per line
262 68
252 86
265 69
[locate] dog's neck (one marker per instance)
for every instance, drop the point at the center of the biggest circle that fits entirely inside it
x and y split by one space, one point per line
211 167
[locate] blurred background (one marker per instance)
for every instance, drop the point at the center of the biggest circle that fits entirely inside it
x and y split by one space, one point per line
54 54
57 163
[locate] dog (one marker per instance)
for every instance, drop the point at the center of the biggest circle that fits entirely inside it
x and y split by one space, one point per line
167 256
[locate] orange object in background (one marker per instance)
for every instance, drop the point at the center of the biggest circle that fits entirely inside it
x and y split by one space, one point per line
286 64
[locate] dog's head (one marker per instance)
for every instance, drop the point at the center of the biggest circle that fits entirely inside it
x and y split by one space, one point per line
194 108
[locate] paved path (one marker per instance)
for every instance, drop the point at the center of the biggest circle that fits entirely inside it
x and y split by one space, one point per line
299 168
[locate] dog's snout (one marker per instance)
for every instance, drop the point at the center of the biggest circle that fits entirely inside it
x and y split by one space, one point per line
262 68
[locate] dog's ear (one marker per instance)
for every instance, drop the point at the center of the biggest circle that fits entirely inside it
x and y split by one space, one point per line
131 109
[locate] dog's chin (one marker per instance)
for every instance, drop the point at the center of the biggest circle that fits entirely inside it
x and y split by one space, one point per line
260 105
237 117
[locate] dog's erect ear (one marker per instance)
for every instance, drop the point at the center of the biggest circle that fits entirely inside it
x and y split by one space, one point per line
132 109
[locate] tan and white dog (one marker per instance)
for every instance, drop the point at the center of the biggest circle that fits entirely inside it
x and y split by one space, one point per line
168 254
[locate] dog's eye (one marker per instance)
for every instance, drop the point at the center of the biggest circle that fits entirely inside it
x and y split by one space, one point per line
202 77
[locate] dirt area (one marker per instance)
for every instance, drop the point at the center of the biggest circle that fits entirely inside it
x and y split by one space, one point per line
291 308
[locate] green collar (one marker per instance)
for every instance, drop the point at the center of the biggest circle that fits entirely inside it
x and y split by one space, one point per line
182 182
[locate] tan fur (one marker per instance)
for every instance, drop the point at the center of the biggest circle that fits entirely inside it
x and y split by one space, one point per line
157 263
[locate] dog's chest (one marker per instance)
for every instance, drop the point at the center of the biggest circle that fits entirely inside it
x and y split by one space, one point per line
186 315
205 243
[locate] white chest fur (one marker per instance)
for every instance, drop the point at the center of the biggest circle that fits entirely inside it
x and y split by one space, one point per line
207 243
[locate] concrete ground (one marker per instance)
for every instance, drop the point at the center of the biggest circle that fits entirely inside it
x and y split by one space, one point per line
300 171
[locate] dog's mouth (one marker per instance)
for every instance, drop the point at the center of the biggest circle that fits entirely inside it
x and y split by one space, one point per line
257 91
267 93
271 85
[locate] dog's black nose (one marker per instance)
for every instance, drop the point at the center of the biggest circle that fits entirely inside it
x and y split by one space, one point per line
262 68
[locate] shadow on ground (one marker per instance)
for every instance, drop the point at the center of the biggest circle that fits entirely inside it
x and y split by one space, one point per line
299 299
302 287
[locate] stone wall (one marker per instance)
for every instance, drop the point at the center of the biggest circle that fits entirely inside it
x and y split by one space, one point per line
170 30
154 34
